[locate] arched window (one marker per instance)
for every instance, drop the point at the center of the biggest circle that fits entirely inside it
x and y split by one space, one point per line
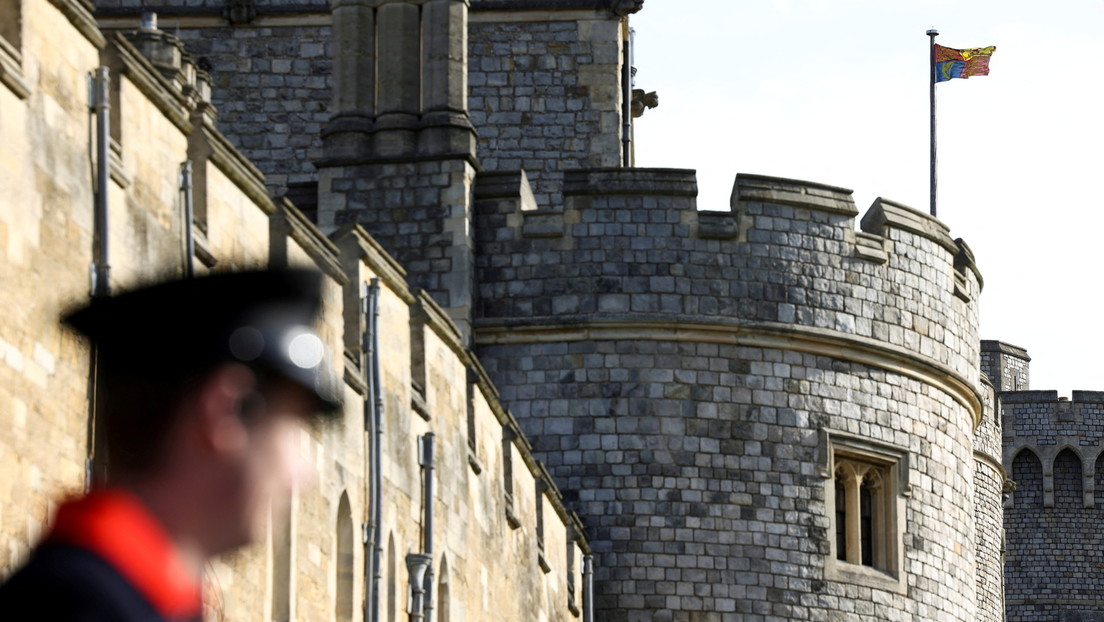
865 483
392 573
1099 477
1027 472
1068 481
343 607
443 592
862 521
281 564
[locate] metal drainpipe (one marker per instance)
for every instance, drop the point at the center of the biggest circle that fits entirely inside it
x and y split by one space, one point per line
189 234
102 105
100 269
369 536
427 464
375 396
626 104
588 588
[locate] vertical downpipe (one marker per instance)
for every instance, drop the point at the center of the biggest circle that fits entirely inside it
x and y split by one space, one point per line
102 106
375 421
369 538
588 588
626 95
189 218
427 464
101 265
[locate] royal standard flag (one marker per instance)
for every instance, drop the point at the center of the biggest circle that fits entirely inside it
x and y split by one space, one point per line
952 63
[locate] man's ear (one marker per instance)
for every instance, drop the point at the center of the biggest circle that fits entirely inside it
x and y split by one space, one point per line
222 398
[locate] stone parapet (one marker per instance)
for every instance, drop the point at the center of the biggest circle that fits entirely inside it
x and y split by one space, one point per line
630 245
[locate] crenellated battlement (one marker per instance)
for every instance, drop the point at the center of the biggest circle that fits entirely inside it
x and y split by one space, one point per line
1053 450
630 246
1046 423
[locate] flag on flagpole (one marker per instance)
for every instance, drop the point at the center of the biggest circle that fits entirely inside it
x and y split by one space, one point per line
951 63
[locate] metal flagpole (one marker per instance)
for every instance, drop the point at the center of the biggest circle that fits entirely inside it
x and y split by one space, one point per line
931 77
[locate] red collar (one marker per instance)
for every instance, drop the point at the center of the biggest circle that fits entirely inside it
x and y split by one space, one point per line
116 526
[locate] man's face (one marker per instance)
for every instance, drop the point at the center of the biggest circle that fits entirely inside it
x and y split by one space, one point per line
270 465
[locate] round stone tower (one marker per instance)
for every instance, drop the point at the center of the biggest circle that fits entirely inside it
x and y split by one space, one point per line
759 414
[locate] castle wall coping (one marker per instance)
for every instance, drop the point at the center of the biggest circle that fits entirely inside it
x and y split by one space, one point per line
1051 397
667 182
232 163
128 61
885 214
505 185
779 190
592 6
993 464
1027 397
964 260
991 345
79 13
438 320
321 249
806 339
358 245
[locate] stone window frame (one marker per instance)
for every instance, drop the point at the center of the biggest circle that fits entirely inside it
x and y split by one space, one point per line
11 49
858 456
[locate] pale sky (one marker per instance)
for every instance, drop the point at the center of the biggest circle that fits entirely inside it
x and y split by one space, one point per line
836 92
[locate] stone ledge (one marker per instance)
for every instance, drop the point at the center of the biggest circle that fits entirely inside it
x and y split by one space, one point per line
79 13
288 220
512 185
1026 397
543 225
125 59
885 214
871 247
794 192
718 225
991 345
1051 397
705 329
667 182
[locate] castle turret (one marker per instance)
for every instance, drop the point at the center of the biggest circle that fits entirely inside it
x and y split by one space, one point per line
1006 365
758 412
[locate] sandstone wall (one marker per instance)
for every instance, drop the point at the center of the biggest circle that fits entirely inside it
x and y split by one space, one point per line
311 564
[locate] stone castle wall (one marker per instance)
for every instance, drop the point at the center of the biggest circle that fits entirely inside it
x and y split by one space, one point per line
271 76
310 565
990 482
1053 449
679 371
546 92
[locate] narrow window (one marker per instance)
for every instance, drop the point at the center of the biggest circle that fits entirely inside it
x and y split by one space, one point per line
392 570
443 592
841 521
866 522
343 608
864 497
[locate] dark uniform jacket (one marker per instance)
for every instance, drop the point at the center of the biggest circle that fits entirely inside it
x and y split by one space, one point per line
106 560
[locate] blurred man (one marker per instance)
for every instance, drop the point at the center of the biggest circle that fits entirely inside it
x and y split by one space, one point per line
206 386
